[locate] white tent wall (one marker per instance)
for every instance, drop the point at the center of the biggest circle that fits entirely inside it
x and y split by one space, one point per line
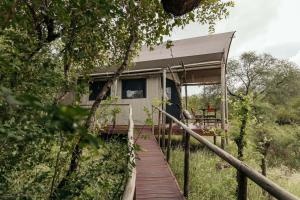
153 91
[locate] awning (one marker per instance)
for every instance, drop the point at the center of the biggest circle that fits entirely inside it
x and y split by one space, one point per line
194 53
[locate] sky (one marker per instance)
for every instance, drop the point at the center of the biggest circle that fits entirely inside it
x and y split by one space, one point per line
264 26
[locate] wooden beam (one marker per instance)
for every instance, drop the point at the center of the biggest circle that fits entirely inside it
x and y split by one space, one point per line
169 140
194 66
152 118
226 111
223 116
184 70
159 127
164 96
186 154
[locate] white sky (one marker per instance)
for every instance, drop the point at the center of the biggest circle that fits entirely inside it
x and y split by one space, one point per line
270 26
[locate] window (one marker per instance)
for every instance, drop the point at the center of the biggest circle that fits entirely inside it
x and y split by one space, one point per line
95 87
134 88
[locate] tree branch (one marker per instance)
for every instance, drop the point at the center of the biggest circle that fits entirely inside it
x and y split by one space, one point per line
234 95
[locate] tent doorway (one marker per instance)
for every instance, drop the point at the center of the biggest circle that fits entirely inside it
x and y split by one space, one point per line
173 107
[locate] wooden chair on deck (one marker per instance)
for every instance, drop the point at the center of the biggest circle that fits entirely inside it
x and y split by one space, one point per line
196 117
209 115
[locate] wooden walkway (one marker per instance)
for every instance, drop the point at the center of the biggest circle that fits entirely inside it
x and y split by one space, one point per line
154 177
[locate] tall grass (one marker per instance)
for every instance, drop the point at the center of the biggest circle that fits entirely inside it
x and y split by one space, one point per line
211 179
102 174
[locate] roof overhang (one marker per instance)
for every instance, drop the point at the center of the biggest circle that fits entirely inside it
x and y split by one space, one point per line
201 53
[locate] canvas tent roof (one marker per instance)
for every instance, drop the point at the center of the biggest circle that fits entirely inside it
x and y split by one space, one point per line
211 48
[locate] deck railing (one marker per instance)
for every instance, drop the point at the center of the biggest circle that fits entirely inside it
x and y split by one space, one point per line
246 171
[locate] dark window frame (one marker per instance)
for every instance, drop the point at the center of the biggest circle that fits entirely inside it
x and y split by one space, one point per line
134 84
95 87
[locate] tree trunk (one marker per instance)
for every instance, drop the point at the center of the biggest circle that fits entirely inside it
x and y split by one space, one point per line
263 165
109 83
77 151
240 142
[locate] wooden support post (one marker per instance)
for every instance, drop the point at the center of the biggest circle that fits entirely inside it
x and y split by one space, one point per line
203 116
152 117
185 81
215 140
163 146
186 154
242 186
186 97
116 88
178 89
186 165
226 111
183 132
223 103
169 140
159 127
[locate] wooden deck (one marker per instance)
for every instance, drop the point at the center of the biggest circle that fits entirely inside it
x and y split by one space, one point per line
154 177
123 129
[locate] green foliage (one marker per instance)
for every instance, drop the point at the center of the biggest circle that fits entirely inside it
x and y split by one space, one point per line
285 148
265 87
45 46
209 95
264 116
103 173
106 114
212 178
149 119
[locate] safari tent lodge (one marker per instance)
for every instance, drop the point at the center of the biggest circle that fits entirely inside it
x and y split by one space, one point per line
163 73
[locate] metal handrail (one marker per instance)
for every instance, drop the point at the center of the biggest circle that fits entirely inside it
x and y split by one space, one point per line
268 185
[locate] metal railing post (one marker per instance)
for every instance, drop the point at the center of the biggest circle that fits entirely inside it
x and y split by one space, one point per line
169 140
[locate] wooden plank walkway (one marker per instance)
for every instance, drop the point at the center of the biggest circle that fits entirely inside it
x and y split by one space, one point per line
154 177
